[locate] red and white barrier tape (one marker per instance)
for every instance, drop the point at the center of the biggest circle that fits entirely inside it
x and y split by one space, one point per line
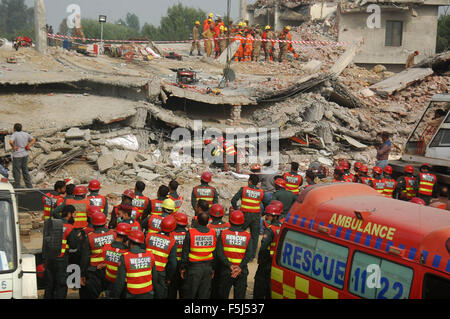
237 38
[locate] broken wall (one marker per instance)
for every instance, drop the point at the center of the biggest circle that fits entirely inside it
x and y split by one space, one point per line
419 33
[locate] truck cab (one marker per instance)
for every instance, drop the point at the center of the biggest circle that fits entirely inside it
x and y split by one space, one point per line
429 142
17 270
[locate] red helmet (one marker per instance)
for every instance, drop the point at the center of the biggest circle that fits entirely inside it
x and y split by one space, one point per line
80 190
123 229
417 200
93 210
364 169
216 210
129 193
94 185
181 219
237 217
277 204
98 219
409 169
272 210
256 167
358 165
206 142
168 224
377 169
280 182
206 177
341 162
136 236
388 170
345 165
220 139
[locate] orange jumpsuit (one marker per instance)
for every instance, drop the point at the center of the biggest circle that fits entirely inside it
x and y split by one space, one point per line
216 31
248 48
239 55
290 47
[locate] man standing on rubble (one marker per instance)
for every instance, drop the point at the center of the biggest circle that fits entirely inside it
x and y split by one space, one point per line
410 60
257 44
209 37
196 38
21 142
383 151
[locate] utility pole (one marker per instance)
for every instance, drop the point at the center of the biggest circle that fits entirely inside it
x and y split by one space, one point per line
243 10
276 15
39 26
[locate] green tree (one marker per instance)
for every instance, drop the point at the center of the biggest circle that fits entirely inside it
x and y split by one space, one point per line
443 34
111 31
132 21
178 23
16 19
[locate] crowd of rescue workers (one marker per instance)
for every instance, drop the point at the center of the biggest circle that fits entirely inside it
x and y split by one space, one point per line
253 40
145 248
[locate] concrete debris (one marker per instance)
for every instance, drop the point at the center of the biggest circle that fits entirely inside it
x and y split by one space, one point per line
400 81
105 162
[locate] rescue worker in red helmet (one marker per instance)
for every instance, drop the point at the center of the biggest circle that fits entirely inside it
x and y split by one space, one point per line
56 267
262 287
112 253
141 203
92 257
233 255
363 177
377 181
356 167
95 198
251 198
348 176
286 197
338 174
179 234
426 184
198 258
204 191
390 184
92 210
50 200
127 199
216 212
137 270
406 184
163 247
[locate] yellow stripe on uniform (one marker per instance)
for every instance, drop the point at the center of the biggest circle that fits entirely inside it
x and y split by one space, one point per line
137 286
202 250
234 250
277 274
139 274
199 257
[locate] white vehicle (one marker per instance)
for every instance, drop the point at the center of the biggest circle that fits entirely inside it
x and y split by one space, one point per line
17 270
429 142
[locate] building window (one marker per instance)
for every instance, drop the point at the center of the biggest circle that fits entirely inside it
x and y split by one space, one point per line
394 30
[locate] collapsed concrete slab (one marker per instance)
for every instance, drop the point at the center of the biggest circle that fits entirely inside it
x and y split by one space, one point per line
400 81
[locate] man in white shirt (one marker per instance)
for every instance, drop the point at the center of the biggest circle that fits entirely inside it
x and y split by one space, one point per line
21 143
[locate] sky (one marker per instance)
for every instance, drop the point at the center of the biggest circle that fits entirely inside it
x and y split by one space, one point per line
149 11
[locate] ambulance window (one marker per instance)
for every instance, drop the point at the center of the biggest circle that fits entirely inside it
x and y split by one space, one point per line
373 277
435 287
313 257
7 237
